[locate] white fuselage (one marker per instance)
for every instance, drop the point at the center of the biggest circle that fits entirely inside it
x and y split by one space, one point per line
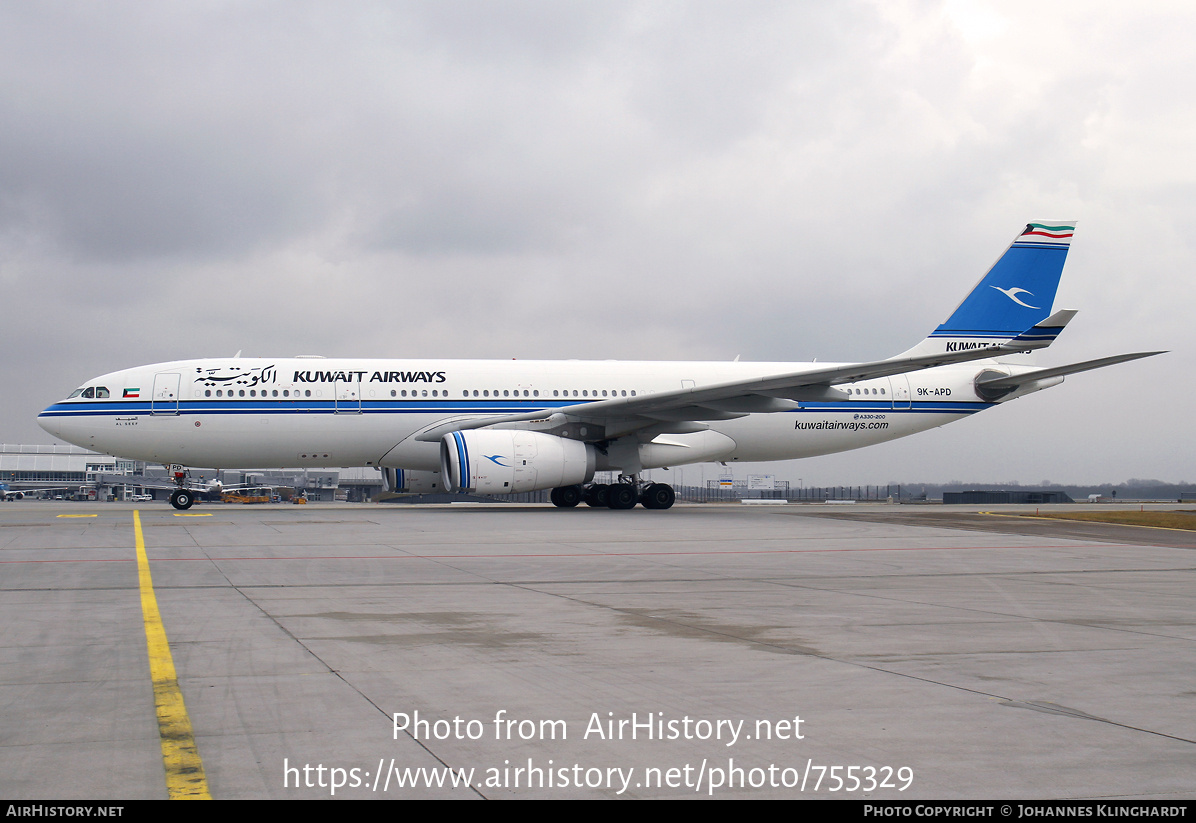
257 413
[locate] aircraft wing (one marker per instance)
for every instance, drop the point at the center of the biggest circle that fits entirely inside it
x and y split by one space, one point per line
19 494
198 488
726 401
141 484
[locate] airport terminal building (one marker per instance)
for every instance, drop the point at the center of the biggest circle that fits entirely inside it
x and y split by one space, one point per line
71 472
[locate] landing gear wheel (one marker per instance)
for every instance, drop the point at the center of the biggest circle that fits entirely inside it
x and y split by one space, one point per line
623 496
658 496
597 496
182 499
566 497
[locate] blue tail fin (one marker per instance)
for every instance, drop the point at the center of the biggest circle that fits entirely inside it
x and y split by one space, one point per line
1016 294
1018 290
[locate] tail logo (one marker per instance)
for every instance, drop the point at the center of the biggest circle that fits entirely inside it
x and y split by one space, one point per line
1063 232
1013 293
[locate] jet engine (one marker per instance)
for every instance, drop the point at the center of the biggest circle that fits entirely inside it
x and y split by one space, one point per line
399 481
504 461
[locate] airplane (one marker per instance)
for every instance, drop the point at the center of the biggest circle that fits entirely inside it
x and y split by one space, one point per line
507 426
9 494
201 489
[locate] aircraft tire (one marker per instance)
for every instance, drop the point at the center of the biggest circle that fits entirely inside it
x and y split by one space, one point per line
566 497
658 496
623 496
182 499
597 496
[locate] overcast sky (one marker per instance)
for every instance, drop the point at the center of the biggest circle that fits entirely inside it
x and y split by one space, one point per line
659 180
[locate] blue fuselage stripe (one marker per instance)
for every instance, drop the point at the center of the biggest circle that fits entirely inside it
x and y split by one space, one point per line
203 407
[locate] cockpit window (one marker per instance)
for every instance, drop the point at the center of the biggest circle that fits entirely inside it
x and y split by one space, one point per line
91 392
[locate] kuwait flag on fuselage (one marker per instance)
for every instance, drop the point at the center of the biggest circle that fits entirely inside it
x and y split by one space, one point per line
133 392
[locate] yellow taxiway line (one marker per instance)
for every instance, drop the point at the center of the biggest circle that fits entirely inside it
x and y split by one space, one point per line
185 778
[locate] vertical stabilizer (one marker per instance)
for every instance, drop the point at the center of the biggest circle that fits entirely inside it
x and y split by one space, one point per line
1016 294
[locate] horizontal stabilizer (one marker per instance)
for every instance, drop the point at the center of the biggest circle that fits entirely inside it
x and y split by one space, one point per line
1045 332
1000 385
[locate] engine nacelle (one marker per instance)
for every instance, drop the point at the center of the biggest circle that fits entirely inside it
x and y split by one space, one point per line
400 481
504 461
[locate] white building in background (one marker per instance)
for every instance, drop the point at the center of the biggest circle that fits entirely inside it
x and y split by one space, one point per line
65 471
56 464
75 472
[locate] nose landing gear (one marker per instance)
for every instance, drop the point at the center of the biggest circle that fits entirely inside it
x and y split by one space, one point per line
181 498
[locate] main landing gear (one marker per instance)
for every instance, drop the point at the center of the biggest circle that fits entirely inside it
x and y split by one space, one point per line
622 495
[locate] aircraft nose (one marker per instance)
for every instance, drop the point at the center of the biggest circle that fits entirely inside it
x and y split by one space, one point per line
50 423
58 420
